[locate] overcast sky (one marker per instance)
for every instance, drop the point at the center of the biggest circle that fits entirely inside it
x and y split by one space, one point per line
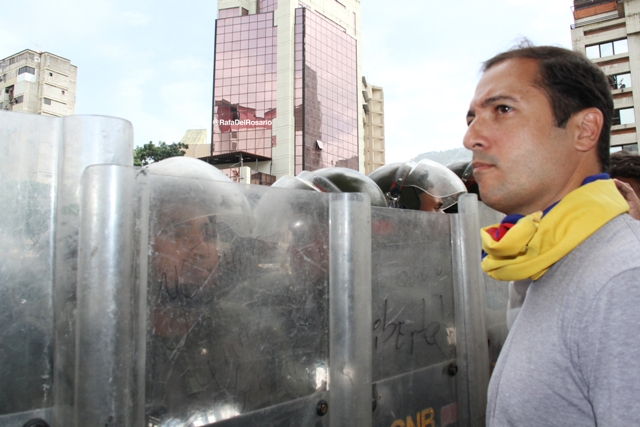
151 61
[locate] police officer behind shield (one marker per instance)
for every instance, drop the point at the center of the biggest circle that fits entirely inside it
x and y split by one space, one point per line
426 185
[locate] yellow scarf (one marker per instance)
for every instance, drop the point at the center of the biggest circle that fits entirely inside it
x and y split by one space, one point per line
534 243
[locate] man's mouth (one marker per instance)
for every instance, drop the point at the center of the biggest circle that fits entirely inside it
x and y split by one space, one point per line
479 167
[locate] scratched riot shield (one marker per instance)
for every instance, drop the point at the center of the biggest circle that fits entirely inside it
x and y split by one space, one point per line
430 359
229 315
41 162
496 296
236 324
413 323
27 173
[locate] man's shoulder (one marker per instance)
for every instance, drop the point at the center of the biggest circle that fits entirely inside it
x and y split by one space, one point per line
608 252
619 238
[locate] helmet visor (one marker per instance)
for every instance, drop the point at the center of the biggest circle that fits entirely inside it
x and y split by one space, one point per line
436 180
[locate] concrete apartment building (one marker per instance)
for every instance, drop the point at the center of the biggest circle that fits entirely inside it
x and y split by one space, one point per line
288 91
608 32
373 127
38 82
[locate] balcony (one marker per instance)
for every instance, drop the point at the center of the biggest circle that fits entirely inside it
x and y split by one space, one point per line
584 4
585 8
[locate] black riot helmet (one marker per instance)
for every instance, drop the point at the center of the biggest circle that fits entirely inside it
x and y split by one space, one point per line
425 185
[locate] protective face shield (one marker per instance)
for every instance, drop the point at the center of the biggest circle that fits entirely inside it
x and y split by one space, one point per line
195 224
426 185
334 180
230 207
464 170
296 222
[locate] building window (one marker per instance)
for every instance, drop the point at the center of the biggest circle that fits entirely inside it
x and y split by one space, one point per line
631 148
325 94
620 81
245 82
623 116
26 69
9 91
47 101
607 49
228 13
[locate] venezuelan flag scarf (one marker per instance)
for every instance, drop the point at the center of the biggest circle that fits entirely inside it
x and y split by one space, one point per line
526 246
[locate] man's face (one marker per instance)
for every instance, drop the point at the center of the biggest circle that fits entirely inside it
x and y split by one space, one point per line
429 203
184 261
185 251
521 160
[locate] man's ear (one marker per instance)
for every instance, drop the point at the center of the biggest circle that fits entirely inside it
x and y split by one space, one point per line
589 125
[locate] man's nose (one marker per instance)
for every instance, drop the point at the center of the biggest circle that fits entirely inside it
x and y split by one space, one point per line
475 137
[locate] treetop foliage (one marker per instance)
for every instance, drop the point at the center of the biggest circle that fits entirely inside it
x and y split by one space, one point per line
150 152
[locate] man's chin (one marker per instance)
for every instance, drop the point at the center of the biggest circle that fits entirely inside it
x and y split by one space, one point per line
492 200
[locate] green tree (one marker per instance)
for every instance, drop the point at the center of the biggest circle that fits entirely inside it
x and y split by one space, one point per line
150 152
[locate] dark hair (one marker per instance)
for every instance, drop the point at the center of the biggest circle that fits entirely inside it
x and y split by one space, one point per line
625 165
572 83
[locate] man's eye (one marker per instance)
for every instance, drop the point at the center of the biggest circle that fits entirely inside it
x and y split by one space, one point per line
503 109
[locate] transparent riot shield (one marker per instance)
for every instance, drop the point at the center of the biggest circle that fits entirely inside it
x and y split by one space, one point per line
209 303
138 299
27 182
496 296
430 356
224 315
41 162
413 322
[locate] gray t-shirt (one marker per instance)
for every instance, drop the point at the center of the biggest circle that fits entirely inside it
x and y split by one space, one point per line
571 357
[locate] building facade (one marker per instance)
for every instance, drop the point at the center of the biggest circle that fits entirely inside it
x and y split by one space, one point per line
608 33
287 91
38 82
373 127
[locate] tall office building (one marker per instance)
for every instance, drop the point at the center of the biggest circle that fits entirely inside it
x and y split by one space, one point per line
373 127
287 90
38 82
608 32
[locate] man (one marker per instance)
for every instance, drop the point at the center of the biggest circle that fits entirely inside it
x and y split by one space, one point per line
625 169
539 131
426 185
